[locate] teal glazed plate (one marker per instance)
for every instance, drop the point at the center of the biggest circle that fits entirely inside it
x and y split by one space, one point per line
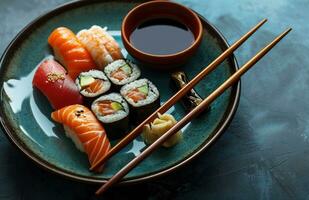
25 112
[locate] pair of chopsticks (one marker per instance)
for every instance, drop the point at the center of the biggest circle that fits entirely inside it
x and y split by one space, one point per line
192 114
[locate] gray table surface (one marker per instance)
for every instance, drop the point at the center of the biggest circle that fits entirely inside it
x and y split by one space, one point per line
264 152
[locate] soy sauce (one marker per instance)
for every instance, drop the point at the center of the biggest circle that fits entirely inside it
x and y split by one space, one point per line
162 36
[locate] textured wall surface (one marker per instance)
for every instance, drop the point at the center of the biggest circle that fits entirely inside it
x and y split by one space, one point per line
262 155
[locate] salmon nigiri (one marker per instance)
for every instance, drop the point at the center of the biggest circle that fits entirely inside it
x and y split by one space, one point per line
85 130
70 52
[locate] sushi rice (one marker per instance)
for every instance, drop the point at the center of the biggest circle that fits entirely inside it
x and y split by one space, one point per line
135 74
71 134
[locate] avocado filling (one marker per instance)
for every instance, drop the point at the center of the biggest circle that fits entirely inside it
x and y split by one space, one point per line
85 81
116 106
127 69
144 89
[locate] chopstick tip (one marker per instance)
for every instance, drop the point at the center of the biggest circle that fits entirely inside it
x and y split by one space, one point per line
286 31
262 22
289 29
98 193
101 190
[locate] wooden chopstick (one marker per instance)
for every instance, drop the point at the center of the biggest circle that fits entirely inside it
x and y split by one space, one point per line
196 111
135 132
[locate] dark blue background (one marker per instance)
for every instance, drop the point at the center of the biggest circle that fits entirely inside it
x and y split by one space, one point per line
262 155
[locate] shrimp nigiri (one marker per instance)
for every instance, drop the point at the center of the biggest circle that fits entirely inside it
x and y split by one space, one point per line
70 52
101 45
85 130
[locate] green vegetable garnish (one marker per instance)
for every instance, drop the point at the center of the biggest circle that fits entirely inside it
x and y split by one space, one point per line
85 81
127 69
143 89
116 106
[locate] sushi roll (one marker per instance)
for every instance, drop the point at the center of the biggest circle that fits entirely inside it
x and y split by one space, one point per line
92 84
121 72
70 52
113 111
102 46
85 130
143 98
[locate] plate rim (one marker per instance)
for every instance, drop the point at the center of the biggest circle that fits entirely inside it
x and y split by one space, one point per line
11 48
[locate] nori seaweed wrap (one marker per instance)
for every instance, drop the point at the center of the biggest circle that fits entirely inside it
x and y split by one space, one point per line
143 98
113 111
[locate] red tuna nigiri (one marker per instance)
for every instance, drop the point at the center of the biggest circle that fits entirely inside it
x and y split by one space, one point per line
70 52
51 79
85 130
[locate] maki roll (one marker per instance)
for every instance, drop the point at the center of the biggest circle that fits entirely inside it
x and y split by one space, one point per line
113 111
143 98
121 72
92 84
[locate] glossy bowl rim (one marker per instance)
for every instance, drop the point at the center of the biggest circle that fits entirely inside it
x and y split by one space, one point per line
196 42
11 48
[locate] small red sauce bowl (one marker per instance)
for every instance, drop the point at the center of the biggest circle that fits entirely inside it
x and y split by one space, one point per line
161 9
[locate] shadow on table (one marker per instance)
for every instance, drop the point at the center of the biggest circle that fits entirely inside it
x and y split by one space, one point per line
22 179
231 165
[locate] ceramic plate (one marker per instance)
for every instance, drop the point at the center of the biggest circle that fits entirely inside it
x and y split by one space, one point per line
25 113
